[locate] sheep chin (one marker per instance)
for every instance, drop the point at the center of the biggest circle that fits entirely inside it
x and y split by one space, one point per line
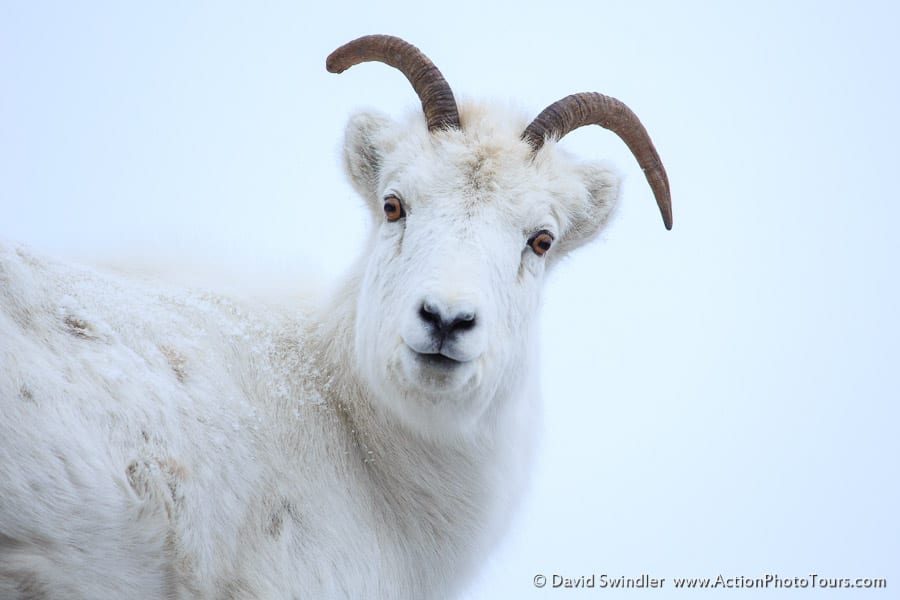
437 373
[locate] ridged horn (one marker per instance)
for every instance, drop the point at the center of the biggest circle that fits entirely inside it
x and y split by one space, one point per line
437 98
591 108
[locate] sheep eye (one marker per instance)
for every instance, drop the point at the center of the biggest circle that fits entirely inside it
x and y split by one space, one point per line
393 208
540 242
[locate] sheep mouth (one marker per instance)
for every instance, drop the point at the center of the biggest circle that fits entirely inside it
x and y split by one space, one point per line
437 373
437 360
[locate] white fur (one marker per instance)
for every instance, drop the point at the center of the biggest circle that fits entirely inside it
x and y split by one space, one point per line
166 443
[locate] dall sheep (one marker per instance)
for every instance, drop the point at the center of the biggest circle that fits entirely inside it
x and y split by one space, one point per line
167 443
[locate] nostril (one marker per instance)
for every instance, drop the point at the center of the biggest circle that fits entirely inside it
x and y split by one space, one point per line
463 321
430 314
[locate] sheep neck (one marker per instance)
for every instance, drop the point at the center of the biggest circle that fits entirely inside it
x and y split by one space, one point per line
446 499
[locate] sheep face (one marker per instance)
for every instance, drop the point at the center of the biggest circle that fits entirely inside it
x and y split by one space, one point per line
466 224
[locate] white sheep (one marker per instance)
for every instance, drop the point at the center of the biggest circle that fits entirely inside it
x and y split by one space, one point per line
163 443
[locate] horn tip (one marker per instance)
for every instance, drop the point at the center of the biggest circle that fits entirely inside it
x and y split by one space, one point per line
666 210
667 216
332 64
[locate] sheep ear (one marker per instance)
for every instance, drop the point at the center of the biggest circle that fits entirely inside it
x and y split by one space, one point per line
364 150
602 185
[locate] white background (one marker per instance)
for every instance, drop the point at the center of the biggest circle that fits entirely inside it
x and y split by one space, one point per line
721 398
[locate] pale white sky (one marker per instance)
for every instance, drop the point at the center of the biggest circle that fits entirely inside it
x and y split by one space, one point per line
721 398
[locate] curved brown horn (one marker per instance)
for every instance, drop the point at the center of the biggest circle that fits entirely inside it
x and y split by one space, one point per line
434 92
591 108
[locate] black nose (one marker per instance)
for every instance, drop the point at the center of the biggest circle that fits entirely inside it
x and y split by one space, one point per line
445 323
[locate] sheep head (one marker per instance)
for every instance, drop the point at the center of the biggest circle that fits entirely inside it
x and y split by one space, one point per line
470 209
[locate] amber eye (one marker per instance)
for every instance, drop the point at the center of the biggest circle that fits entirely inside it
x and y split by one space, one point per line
393 208
541 241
